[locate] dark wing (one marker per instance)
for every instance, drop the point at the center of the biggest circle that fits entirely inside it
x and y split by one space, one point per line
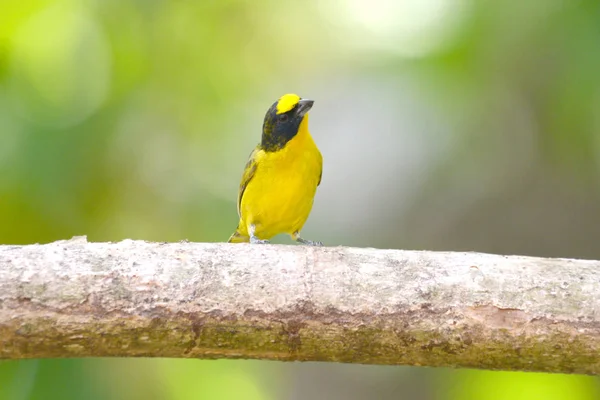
249 171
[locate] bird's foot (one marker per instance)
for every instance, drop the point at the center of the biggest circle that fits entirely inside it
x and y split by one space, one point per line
255 240
308 242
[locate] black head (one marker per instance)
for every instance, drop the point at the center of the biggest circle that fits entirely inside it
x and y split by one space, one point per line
283 120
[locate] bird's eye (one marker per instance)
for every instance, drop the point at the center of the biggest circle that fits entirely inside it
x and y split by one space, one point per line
283 117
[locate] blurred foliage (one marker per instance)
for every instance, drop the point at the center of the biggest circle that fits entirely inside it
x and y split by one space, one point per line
444 124
475 385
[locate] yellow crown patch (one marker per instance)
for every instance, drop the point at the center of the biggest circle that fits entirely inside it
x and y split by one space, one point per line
287 102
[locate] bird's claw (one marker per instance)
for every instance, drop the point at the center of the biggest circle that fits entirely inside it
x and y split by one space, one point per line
255 240
309 242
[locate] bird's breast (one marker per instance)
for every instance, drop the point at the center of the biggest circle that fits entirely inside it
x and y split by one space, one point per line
280 196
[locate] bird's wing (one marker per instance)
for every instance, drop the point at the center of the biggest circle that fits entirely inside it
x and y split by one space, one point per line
320 169
249 171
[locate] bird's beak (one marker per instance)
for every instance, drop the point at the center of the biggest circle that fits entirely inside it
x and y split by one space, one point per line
304 105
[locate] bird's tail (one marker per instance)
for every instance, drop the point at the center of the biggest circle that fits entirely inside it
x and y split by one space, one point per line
237 237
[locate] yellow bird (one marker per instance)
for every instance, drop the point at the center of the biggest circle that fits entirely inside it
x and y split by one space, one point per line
281 177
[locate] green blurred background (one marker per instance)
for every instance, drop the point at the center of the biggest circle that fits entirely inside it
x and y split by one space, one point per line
444 125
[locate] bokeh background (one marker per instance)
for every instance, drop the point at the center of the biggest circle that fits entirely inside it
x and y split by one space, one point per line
444 125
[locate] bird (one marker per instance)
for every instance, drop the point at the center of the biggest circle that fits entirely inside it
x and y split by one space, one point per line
281 177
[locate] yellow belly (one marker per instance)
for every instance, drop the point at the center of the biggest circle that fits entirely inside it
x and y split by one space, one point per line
280 195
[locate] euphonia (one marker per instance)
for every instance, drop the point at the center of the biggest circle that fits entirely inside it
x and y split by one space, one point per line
281 176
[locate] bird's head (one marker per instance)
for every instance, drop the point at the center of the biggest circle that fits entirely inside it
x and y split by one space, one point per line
283 120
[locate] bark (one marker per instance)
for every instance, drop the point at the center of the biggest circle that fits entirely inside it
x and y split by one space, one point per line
211 300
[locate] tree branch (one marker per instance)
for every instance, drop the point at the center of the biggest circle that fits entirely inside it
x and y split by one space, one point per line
132 298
